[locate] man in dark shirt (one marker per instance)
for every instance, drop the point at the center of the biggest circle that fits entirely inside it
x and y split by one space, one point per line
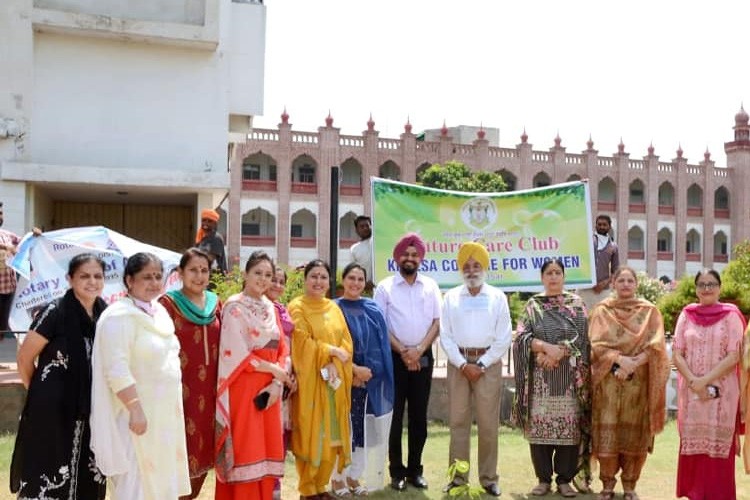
211 242
607 260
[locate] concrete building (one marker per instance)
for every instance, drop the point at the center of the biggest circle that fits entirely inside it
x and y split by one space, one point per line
119 113
670 217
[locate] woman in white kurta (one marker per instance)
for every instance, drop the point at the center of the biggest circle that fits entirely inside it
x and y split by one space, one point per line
138 433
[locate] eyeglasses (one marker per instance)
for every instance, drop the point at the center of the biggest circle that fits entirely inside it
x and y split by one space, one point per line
707 286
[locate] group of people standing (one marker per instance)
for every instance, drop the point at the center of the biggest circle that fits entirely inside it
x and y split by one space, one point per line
157 389
591 384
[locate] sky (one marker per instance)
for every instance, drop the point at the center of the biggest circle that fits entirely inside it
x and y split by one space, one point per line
663 72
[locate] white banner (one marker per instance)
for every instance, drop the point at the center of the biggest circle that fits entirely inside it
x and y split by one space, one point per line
42 265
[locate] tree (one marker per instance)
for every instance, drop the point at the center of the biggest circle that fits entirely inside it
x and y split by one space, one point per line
456 176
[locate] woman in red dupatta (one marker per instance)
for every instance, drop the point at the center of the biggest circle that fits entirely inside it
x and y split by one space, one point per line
629 375
252 362
707 349
196 314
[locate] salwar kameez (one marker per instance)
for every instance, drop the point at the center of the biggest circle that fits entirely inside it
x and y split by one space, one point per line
198 332
553 406
709 430
250 447
626 415
133 347
320 414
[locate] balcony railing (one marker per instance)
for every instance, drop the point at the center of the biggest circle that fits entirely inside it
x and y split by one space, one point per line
664 256
692 257
607 206
666 209
695 211
637 208
302 242
255 185
349 190
304 188
721 213
258 241
721 258
346 243
636 254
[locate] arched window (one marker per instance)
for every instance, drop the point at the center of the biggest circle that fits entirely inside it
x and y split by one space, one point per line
666 199
695 201
303 229
258 228
541 180
693 246
259 173
607 195
664 244
721 203
635 243
637 197
390 170
573 177
347 234
351 178
304 178
721 247
511 182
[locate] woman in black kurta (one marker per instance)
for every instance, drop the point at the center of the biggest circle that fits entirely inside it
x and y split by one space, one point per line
52 458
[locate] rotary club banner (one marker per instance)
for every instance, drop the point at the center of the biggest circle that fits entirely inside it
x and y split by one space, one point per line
521 230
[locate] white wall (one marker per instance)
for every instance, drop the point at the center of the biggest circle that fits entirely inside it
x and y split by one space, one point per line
106 103
245 50
175 11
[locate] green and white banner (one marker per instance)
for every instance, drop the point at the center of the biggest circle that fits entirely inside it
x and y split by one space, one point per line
521 230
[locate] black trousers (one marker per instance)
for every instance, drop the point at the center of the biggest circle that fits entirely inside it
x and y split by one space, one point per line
564 458
6 299
412 391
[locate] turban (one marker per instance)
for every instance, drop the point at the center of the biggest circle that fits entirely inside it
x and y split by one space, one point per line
209 214
474 250
409 240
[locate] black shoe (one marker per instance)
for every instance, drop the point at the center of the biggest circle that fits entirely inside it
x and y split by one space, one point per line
493 489
448 487
398 483
418 482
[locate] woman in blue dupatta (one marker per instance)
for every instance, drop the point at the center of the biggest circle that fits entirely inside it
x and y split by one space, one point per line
372 388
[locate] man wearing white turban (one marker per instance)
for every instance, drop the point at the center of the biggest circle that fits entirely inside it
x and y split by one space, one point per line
475 333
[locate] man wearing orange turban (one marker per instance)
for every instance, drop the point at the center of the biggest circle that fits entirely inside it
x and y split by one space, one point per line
211 242
411 304
475 334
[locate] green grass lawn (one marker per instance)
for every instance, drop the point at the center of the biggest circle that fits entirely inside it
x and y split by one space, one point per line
516 474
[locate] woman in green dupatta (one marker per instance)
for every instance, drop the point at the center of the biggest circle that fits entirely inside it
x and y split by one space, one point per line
196 313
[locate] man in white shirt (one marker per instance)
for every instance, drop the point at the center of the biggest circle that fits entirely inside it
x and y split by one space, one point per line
475 333
411 304
362 250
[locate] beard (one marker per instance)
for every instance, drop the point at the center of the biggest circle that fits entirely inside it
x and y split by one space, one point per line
474 280
408 268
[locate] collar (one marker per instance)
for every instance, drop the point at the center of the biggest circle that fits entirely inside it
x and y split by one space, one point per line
147 307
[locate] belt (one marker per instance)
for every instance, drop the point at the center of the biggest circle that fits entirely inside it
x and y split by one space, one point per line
472 352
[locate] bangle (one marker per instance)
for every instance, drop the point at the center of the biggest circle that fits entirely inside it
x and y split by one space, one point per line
419 348
278 382
134 400
463 365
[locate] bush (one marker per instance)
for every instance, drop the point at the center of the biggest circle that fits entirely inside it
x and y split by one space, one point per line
231 283
671 304
649 288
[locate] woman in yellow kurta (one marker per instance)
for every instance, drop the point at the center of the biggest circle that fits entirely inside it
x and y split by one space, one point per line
137 426
321 355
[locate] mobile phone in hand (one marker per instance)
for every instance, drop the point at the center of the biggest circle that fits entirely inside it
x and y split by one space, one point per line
261 400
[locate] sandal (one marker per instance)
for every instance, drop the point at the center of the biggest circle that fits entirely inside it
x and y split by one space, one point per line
541 489
630 495
357 489
340 490
566 490
606 495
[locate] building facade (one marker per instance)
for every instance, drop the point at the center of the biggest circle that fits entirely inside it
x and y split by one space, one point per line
119 113
669 217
